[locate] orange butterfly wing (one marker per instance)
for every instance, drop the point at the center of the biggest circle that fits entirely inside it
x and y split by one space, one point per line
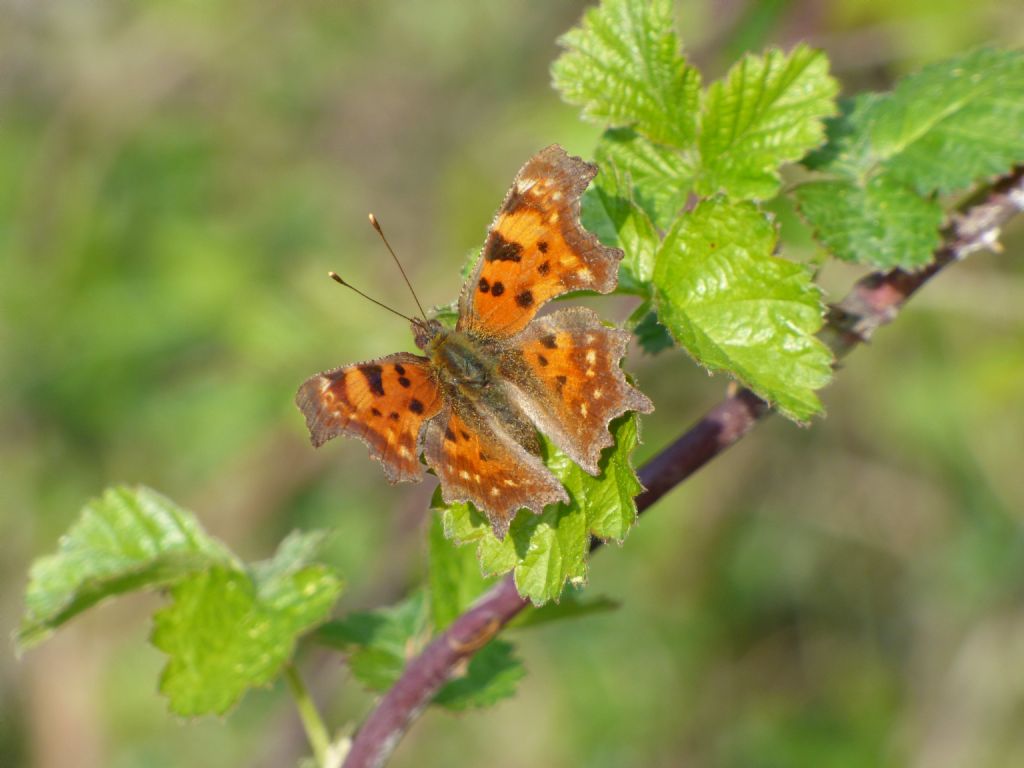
536 248
565 369
476 461
383 402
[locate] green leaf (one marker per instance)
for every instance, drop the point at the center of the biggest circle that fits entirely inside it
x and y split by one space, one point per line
447 314
454 577
379 643
768 111
228 630
608 499
464 524
609 212
847 151
298 550
737 308
129 539
551 549
883 224
652 336
954 122
493 674
545 551
659 178
941 129
624 67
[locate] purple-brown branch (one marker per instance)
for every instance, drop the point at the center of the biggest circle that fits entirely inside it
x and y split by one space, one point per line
874 301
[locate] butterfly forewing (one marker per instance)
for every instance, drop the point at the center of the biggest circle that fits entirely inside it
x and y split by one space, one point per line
536 248
565 369
383 402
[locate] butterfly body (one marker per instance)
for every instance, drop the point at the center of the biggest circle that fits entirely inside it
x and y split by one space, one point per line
476 398
462 361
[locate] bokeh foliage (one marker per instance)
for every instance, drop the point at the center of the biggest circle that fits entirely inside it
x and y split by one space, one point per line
179 178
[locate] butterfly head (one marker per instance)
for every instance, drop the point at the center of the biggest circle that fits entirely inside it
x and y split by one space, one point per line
425 331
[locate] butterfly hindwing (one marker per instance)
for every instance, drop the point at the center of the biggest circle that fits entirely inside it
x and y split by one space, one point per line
565 369
477 462
536 248
383 402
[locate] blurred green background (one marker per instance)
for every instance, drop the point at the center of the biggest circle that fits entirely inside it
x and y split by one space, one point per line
177 179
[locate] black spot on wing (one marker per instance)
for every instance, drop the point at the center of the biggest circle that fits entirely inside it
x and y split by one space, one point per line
497 289
483 285
404 381
500 249
544 268
400 369
415 406
549 341
374 380
542 246
524 299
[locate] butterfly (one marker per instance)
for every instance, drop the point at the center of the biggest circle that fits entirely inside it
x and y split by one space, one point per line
473 402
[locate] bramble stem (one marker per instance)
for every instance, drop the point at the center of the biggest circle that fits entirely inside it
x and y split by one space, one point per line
874 301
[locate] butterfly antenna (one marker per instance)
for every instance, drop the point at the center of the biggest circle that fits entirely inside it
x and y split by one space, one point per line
338 279
376 225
